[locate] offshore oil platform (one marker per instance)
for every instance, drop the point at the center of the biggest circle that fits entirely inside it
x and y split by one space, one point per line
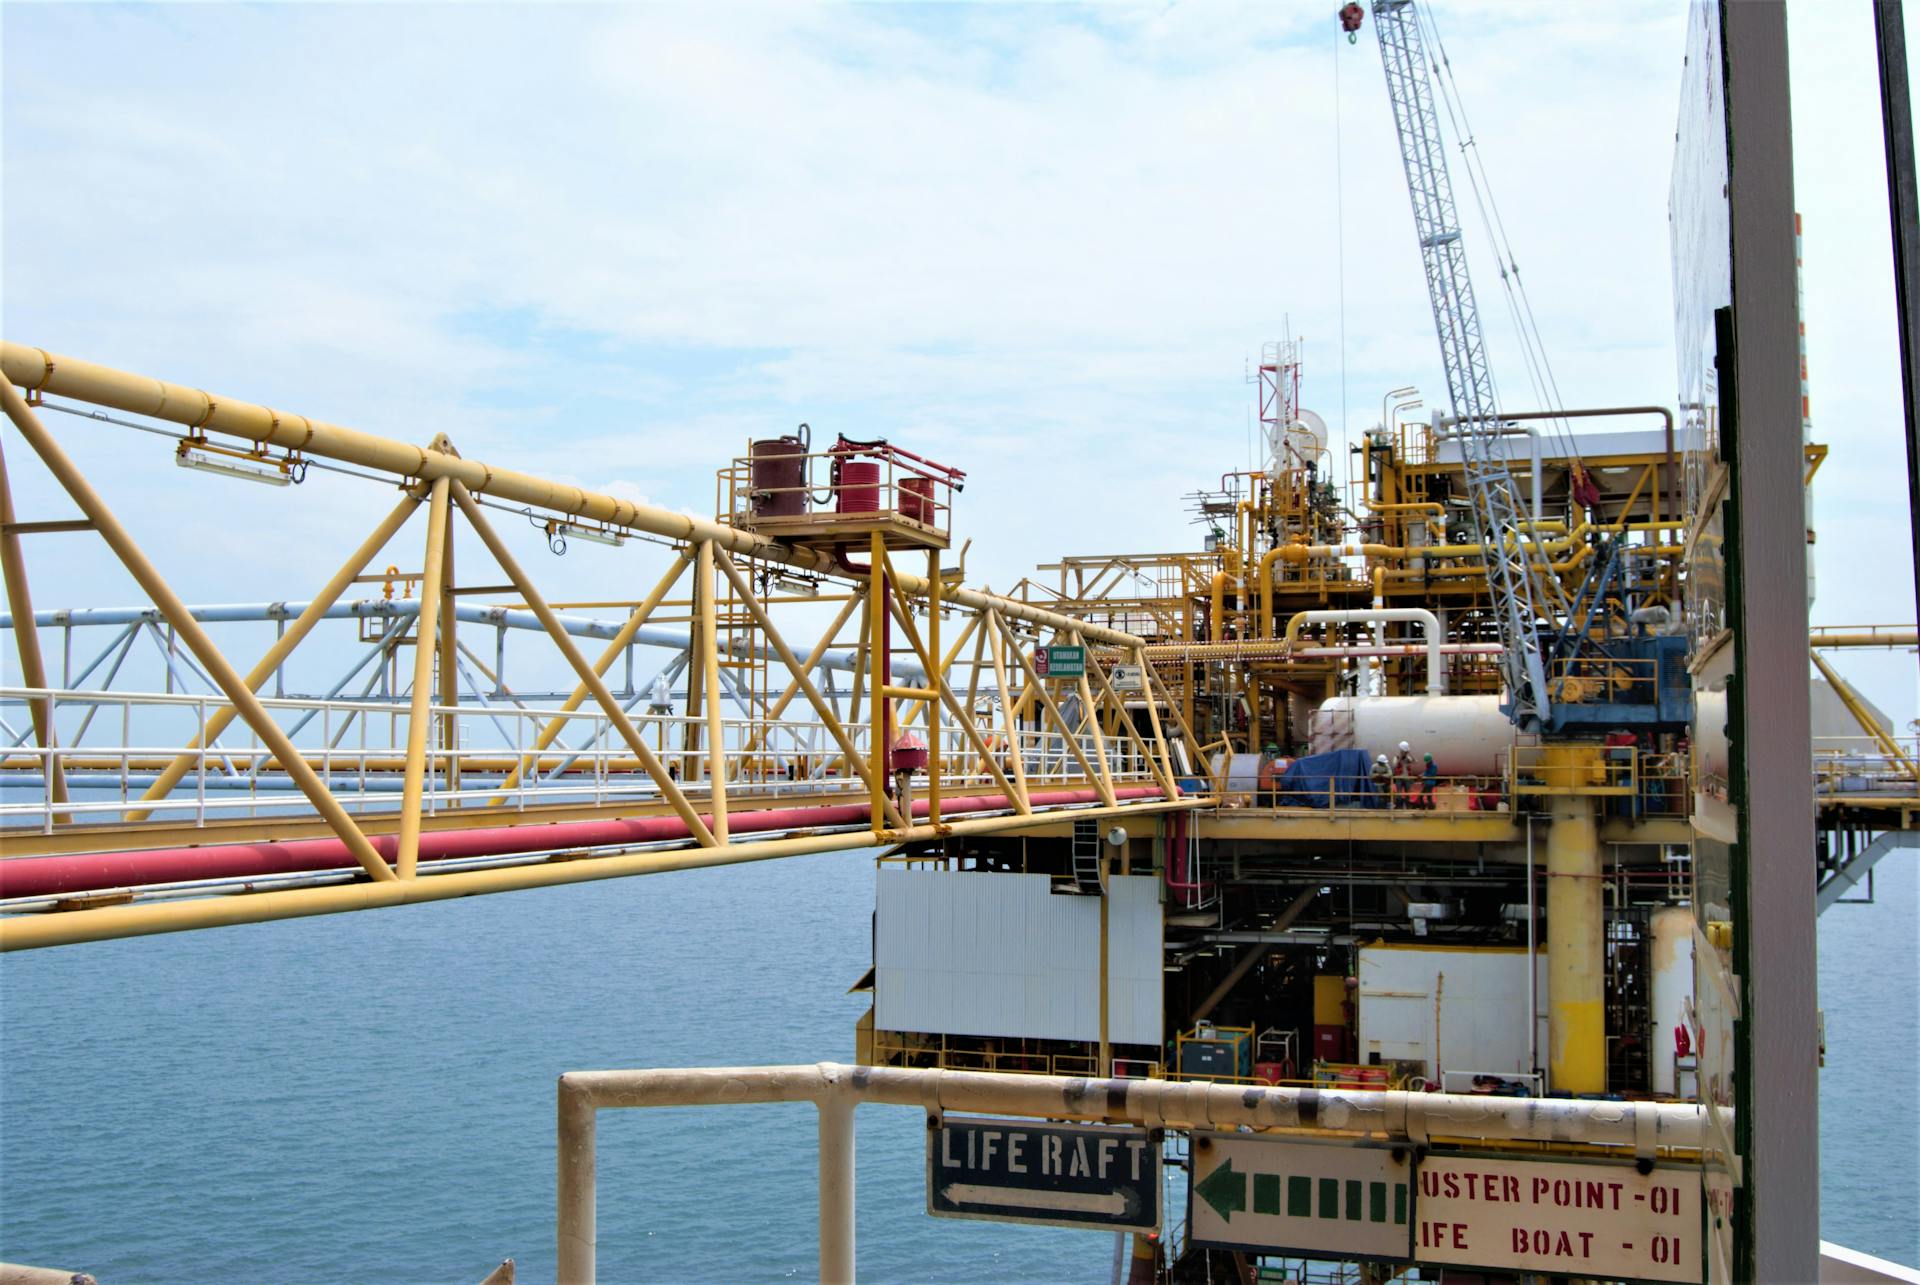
1388 886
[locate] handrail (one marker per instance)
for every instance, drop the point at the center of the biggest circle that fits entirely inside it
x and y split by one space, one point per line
1640 1129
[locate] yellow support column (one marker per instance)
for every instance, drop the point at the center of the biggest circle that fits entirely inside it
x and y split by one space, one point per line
936 680
879 670
1576 950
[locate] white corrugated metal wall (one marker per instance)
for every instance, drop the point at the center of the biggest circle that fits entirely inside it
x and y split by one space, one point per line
964 953
1481 1008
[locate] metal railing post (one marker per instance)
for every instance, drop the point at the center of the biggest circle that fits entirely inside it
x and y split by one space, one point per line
575 1228
836 1189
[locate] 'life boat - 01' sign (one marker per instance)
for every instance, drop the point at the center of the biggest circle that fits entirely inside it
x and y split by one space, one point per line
1596 1221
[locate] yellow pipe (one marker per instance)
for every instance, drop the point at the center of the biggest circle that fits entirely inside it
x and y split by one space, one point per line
1397 552
1901 638
419 718
44 372
1267 590
189 630
1218 632
1576 1020
1580 555
1422 506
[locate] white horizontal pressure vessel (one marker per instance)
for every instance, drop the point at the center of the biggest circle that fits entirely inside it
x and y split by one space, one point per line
1467 735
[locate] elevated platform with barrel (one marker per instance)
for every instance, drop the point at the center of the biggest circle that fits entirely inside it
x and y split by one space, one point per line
843 495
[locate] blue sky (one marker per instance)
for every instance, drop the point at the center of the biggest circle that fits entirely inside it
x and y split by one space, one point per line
610 243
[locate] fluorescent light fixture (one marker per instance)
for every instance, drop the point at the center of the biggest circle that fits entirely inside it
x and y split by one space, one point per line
797 586
599 535
269 472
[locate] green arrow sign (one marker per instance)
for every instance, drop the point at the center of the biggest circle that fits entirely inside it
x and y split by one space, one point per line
1225 1190
1319 1199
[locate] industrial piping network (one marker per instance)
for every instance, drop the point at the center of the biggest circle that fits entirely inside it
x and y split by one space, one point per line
41 372
1428 622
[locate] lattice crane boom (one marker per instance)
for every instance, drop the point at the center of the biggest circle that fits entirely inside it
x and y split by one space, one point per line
1463 353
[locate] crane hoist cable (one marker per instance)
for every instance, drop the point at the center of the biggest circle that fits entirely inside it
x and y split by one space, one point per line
1513 285
1515 594
1350 21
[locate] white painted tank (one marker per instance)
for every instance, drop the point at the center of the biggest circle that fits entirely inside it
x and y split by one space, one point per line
1672 932
1467 735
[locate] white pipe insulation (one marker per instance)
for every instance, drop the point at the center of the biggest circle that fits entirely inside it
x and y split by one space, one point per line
1428 622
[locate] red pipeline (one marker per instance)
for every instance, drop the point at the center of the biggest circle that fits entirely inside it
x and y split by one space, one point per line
50 876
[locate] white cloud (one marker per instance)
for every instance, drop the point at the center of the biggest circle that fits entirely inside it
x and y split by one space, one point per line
615 242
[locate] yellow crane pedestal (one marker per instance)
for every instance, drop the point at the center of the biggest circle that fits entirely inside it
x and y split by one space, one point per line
1576 961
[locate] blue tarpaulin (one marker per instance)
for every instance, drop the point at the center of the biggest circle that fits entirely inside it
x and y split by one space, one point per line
1338 777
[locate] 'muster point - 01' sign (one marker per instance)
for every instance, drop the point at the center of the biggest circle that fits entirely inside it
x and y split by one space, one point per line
1590 1221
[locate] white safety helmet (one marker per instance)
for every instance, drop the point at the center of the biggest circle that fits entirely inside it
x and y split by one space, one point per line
1405 748
1382 758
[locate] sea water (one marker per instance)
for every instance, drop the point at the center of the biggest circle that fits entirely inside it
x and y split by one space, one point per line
370 1097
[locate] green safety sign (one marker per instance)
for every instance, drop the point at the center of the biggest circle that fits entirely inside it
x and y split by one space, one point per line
1060 662
1269 1195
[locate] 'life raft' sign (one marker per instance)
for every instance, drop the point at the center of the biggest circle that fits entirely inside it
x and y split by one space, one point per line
1032 1171
1590 1221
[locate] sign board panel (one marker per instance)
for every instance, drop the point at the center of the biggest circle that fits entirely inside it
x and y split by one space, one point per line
1268 1195
1030 1171
1128 678
1589 1221
1060 662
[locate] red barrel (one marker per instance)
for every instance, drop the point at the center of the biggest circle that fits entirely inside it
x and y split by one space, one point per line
779 476
916 499
859 487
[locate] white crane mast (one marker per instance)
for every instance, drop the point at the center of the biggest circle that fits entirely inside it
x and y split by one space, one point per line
1463 352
